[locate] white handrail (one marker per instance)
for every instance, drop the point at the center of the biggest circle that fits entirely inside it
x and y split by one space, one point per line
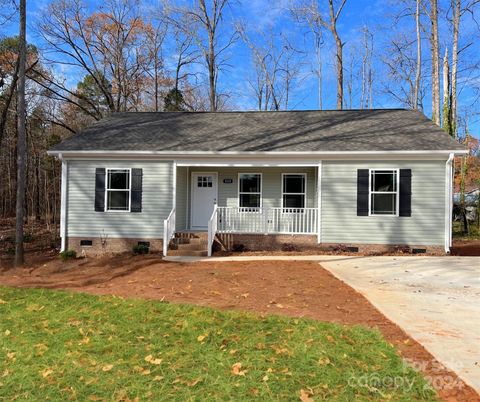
267 220
212 229
168 230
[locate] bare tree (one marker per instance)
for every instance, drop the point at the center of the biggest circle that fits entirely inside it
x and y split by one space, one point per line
366 72
446 110
311 13
308 14
155 35
435 52
110 47
334 15
202 21
276 68
21 138
418 72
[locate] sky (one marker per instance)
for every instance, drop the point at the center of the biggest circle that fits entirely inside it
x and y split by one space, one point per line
273 15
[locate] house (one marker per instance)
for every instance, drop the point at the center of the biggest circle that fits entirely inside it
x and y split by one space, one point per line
360 178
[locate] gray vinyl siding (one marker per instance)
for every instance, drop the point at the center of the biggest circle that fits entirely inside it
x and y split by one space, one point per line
157 201
182 196
340 223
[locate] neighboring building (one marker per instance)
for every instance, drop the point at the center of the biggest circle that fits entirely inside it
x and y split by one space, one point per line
260 180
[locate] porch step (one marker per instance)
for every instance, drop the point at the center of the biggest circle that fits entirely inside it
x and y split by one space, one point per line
192 253
189 244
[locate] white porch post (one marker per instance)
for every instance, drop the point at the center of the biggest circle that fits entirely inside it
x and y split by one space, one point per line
63 206
319 202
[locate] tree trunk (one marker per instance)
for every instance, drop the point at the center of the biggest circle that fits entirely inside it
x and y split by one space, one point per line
446 95
21 140
418 73
339 47
456 27
434 44
211 75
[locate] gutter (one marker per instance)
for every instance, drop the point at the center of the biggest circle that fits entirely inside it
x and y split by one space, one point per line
448 201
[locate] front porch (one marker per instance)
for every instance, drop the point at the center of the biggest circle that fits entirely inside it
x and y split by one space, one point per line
271 200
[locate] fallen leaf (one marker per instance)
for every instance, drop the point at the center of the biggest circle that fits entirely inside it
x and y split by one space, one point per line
200 338
305 396
265 378
193 383
108 367
47 372
150 359
237 369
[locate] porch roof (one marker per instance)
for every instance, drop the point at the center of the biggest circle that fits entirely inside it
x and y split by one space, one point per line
289 131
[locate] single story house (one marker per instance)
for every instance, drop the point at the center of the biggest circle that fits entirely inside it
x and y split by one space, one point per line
182 181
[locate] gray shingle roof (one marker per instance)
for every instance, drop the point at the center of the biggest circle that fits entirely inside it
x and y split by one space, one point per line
292 131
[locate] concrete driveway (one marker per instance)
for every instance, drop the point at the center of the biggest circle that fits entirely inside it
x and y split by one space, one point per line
436 300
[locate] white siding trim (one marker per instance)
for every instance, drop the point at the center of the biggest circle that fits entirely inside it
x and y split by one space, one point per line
63 206
259 153
448 202
319 202
174 182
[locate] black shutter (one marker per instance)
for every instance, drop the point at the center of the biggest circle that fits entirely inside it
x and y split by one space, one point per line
136 191
100 189
362 192
405 208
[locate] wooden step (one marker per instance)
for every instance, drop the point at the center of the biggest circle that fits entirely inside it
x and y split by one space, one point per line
192 246
188 253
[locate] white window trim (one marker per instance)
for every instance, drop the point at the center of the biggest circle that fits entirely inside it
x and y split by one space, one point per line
304 193
243 192
129 190
397 192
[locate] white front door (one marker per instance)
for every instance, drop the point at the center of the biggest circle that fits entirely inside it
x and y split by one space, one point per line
204 197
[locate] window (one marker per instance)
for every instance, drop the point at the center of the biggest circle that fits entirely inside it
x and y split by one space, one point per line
293 192
384 192
118 190
204 181
249 190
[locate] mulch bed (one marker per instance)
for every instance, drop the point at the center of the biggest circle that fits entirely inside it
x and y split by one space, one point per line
293 288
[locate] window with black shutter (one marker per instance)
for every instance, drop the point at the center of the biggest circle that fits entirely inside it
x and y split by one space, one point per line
384 192
118 190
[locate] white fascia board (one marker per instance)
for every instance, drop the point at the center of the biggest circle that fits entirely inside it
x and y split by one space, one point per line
201 158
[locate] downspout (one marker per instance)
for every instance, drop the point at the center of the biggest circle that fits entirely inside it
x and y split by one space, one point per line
448 202
63 204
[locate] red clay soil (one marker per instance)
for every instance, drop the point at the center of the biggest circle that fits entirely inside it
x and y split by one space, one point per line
293 288
466 247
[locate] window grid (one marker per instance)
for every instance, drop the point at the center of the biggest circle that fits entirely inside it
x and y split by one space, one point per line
240 193
372 192
284 192
108 190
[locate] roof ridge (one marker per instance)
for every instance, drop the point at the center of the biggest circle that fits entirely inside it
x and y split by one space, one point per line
265 111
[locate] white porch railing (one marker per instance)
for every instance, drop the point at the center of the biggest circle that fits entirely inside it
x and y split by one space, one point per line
168 231
212 229
267 220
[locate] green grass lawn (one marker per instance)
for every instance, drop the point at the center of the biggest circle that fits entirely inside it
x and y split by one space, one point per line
68 346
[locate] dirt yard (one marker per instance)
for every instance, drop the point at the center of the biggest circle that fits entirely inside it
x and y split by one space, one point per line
281 287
